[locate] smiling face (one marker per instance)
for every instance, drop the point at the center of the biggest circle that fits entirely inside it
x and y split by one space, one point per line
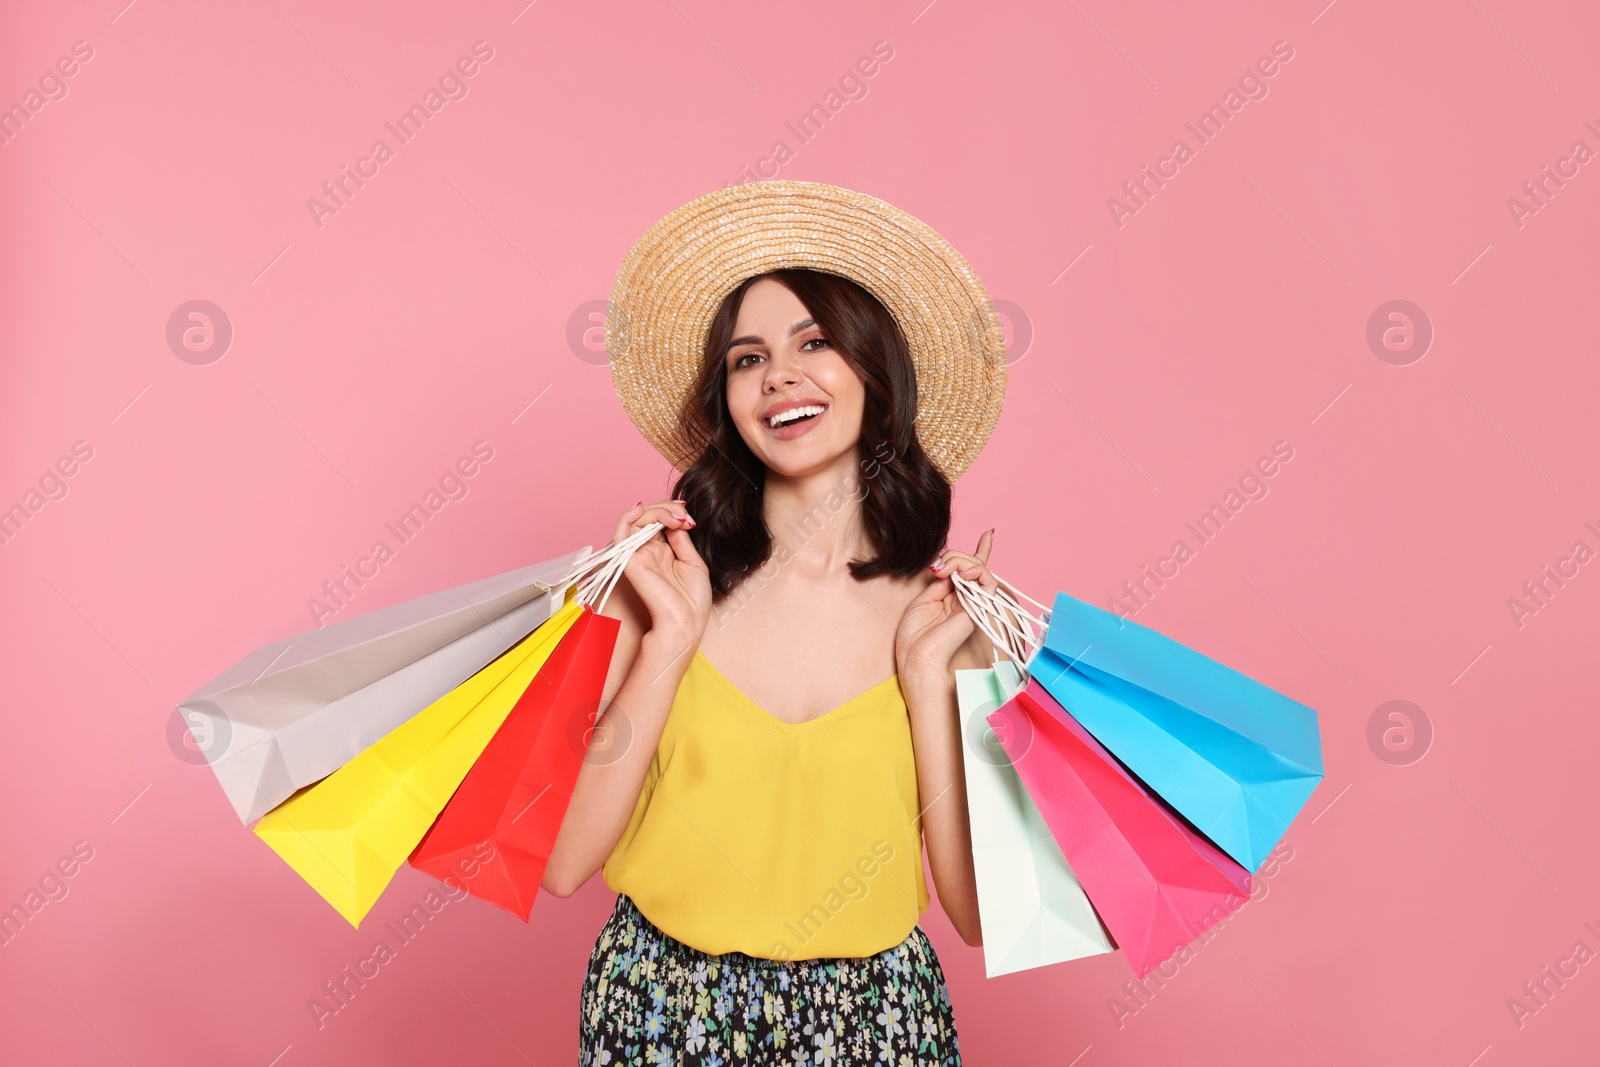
781 365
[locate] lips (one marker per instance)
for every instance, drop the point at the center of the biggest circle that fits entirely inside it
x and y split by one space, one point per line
794 418
794 413
780 406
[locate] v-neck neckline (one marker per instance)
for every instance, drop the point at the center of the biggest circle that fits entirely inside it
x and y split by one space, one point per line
784 724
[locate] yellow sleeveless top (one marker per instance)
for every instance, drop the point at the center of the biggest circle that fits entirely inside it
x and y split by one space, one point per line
779 840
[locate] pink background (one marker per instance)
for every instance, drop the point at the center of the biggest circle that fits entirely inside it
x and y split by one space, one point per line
1167 354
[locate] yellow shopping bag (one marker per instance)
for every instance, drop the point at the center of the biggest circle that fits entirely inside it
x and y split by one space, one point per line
347 834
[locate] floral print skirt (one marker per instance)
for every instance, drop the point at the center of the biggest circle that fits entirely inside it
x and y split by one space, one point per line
651 999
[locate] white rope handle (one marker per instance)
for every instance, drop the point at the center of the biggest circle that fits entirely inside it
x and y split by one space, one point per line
998 612
595 590
598 573
978 604
1002 618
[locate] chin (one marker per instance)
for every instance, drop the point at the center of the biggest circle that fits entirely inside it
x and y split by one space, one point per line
800 466
806 456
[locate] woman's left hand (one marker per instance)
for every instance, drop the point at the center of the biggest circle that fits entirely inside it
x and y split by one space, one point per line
935 624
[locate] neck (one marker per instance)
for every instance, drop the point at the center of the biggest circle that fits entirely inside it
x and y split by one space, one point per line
817 516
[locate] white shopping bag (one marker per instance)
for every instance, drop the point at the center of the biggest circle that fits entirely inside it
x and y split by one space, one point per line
1033 910
295 711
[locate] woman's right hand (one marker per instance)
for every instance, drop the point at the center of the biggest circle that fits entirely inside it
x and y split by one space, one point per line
666 571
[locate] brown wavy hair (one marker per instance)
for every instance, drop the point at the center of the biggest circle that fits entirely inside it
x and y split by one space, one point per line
905 499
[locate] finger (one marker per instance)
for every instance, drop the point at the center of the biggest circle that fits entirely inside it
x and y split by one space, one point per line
957 623
683 547
982 575
936 591
628 523
673 508
985 543
669 513
952 558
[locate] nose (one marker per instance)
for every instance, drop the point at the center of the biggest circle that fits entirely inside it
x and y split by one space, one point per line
782 370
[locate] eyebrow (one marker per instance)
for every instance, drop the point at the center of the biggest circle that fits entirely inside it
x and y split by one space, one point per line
752 339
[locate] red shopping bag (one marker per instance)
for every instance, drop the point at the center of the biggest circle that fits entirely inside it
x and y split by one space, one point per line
1154 881
495 835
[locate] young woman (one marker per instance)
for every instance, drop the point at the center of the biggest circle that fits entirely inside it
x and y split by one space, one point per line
779 739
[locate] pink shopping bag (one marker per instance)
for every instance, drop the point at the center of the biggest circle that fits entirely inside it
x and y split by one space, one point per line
1154 881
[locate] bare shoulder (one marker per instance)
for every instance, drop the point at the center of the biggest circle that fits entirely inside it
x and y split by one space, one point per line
892 594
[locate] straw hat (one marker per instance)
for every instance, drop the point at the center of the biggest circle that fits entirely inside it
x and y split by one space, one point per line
671 282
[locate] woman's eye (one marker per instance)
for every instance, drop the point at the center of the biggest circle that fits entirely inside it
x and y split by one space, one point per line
739 361
813 340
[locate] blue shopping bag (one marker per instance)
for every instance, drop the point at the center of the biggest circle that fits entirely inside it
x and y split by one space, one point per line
1233 756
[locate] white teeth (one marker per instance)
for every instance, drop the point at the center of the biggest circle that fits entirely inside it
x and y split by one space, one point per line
784 417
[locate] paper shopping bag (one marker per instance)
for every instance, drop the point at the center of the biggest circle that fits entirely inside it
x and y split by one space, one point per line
1155 883
294 711
495 836
349 833
1234 757
1033 910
